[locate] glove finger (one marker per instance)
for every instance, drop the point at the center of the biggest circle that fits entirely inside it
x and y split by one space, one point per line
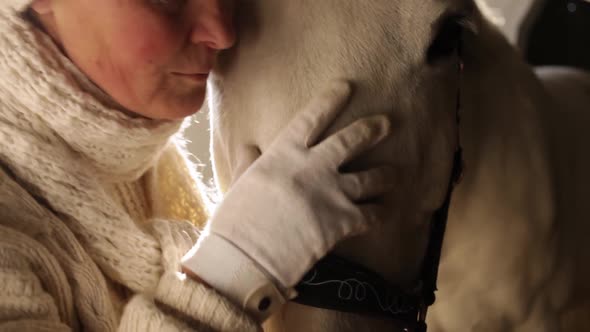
321 112
246 157
354 140
367 185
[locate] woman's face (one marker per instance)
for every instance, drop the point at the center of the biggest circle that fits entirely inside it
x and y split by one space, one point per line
151 56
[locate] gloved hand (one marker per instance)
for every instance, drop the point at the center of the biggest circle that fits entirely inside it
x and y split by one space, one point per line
292 205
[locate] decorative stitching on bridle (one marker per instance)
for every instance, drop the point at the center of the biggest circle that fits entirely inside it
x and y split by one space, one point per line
353 287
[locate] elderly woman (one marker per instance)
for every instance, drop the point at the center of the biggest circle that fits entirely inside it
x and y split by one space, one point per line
98 203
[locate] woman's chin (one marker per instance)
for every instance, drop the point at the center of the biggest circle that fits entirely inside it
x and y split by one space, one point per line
179 114
177 109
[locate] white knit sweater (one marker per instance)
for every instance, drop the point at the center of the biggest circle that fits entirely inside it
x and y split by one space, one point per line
96 208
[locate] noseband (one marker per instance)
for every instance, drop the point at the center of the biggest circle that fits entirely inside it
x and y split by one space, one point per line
335 283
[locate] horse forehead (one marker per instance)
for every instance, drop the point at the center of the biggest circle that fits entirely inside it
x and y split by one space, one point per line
289 49
399 17
398 11
310 40
363 27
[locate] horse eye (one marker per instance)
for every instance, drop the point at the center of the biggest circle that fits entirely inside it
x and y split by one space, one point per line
447 40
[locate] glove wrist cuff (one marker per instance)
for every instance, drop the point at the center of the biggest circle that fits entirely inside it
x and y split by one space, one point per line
226 268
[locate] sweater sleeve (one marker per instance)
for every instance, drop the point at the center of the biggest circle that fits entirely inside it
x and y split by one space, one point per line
31 282
35 296
181 304
178 296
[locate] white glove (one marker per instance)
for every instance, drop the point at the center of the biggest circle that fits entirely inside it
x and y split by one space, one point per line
292 205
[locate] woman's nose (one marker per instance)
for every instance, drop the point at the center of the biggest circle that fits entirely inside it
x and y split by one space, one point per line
212 23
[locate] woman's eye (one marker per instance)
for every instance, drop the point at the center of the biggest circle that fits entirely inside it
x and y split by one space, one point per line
169 5
160 2
446 41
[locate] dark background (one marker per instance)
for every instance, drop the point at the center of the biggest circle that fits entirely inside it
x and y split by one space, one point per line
561 35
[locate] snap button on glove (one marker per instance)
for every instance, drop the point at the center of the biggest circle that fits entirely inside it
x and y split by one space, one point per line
292 205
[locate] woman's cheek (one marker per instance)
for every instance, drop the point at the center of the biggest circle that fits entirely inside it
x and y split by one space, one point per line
153 42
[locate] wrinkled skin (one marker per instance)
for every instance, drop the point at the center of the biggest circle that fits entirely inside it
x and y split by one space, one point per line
514 256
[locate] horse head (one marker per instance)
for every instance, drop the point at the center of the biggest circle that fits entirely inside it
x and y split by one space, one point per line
403 58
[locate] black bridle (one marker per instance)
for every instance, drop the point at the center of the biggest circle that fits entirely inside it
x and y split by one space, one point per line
335 283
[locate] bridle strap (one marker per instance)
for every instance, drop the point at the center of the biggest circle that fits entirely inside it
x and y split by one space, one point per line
431 263
433 253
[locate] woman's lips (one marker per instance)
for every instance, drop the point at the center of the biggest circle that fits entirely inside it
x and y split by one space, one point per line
195 77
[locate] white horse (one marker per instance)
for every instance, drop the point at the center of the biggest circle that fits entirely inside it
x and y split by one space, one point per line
516 253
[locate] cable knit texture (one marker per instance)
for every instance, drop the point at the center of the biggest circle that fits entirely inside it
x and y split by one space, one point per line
96 207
